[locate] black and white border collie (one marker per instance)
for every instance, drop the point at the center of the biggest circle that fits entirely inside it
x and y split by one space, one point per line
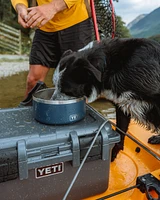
125 71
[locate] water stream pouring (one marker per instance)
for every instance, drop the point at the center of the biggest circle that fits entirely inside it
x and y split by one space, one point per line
60 96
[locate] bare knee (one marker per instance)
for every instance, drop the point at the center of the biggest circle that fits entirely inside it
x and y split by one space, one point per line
31 82
36 73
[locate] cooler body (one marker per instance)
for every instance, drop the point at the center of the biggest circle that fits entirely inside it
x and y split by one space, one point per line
38 161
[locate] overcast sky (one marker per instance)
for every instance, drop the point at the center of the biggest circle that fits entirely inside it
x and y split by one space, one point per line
130 9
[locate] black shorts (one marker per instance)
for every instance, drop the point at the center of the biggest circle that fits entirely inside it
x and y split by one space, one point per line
48 47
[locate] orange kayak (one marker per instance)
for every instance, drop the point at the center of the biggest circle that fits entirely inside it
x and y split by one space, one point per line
132 162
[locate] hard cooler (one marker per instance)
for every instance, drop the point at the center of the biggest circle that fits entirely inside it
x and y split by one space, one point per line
38 161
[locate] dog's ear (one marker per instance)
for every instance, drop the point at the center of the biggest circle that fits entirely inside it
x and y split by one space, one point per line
66 53
84 68
98 59
97 74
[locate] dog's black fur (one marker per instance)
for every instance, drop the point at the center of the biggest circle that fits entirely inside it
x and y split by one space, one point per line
126 71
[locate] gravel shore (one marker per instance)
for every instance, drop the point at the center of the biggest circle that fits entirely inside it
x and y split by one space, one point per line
13 64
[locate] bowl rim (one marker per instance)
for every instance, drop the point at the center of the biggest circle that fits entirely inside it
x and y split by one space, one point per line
45 101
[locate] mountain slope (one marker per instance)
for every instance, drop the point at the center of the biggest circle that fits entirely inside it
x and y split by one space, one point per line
147 26
136 20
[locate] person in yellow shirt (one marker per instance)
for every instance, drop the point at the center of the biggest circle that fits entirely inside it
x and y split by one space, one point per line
60 25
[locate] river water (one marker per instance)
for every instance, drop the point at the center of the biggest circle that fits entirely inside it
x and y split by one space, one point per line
12 91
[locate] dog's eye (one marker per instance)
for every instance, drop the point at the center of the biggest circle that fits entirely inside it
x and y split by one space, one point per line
62 66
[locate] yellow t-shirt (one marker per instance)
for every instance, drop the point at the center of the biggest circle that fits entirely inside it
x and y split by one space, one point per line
75 13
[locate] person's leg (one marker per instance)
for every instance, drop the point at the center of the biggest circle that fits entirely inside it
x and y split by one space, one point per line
36 73
43 56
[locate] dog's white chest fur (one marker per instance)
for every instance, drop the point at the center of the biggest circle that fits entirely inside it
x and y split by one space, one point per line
129 105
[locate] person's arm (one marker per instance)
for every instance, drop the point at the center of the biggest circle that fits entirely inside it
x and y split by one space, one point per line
40 15
21 7
15 2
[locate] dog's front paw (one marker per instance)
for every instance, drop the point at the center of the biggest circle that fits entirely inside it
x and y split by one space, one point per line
155 139
116 149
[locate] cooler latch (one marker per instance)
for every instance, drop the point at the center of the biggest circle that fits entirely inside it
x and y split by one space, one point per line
22 159
75 149
105 144
102 149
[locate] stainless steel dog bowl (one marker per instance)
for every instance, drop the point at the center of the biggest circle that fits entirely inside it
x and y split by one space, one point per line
49 111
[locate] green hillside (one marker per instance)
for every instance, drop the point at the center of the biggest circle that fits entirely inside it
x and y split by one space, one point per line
148 26
155 37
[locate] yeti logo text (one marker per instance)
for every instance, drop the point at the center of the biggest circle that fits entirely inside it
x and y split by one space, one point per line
73 117
49 170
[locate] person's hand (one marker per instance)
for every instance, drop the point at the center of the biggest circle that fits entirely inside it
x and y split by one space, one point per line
40 15
22 14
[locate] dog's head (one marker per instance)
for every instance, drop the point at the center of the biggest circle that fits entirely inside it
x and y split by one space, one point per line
76 76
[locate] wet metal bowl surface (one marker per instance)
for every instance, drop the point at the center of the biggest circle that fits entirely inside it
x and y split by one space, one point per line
49 111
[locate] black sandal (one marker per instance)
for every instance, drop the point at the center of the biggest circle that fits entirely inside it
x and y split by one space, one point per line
28 100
